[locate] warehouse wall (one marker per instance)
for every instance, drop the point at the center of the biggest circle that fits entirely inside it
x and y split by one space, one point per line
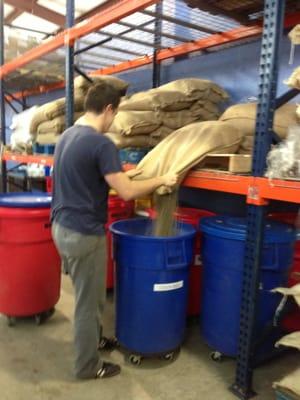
236 69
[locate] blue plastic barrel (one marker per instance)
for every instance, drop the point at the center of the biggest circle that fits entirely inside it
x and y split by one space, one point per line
151 286
223 262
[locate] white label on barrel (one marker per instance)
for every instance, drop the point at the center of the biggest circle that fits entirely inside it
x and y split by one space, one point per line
165 287
198 260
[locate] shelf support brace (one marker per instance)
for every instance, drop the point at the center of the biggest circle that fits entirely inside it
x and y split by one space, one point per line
157 45
2 98
268 76
69 67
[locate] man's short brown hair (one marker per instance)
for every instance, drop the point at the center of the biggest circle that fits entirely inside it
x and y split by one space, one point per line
101 95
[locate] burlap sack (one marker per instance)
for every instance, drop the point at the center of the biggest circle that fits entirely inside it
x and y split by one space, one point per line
83 84
291 340
294 35
135 122
293 291
247 145
186 147
53 110
290 385
294 80
156 99
48 138
195 89
56 125
140 141
243 117
177 119
205 107
162 132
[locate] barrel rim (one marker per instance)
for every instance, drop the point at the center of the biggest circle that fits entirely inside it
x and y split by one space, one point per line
187 235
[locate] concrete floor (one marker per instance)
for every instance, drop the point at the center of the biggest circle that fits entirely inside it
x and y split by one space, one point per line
36 364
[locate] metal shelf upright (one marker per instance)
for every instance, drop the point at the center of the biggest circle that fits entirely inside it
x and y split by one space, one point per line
2 96
268 77
69 66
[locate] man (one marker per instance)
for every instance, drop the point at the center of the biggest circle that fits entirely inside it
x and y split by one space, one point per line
86 163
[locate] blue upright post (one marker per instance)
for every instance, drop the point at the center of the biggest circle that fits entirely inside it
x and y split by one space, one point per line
69 72
2 95
268 74
157 45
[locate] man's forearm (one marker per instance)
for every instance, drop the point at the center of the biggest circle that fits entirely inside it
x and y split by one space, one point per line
144 187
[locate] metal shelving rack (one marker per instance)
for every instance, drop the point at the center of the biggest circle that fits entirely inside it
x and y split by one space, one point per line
256 189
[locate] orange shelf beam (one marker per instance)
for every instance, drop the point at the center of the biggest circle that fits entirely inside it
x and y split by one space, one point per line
277 189
28 159
114 13
219 182
257 190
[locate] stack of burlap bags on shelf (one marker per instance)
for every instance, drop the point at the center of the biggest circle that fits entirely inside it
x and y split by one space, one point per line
243 118
146 118
48 121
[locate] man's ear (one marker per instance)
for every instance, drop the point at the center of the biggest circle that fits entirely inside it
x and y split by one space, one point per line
109 108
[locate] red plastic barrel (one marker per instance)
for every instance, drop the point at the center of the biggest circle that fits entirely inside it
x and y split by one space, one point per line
118 209
193 217
291 322
30 270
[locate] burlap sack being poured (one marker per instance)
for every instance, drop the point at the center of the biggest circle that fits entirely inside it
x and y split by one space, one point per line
178 153
186 147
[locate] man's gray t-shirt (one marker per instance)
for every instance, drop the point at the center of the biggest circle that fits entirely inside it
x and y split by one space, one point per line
82 158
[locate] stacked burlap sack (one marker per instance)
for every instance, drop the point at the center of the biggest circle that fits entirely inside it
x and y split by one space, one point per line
243 118
146 118
48 121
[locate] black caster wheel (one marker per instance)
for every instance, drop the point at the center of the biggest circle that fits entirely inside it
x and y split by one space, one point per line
44 316
168 357
135 360
11 321
216 356
48 314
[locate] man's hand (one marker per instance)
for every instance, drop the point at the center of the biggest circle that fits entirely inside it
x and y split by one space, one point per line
133 173
170 179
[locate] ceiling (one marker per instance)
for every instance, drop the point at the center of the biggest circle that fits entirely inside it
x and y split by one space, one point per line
29 22
244 11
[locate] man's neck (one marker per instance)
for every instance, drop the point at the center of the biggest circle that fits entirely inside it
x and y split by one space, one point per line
89 120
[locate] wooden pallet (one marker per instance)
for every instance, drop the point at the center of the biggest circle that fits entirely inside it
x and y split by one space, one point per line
230 163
